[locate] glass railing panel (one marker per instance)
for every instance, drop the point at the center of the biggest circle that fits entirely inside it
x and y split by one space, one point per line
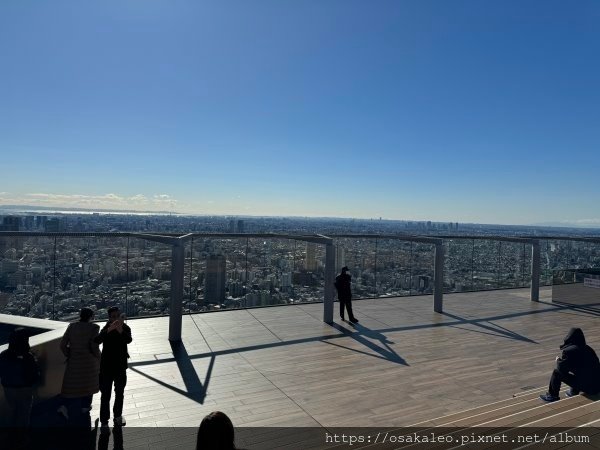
485 264
393 268
422 273
584 255
526 265
84 277
277 276
458 268
26 276
220 273
369 274
545 263
359 256
511 268
149 267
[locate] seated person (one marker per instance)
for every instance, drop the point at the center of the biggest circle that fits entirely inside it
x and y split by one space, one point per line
578 367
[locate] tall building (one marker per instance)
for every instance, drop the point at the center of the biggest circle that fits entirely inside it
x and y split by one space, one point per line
286 281
311 257
232 226
11 223
214 284
240 226
40 221
52 225
28 222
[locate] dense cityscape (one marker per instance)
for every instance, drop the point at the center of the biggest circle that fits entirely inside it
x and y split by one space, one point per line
53 277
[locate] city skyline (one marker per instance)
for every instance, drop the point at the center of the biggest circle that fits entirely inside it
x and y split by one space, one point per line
418 111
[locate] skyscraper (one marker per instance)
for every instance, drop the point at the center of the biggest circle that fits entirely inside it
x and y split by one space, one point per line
11 223
52 225
311 257
214 284
240 226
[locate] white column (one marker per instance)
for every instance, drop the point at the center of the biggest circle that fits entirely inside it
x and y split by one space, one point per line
329 280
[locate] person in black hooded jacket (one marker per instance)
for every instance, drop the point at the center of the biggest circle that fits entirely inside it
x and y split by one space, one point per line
577 366
343 285
19 372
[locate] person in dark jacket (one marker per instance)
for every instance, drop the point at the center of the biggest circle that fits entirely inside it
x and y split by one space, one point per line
19 372
344 290
577 366
113 366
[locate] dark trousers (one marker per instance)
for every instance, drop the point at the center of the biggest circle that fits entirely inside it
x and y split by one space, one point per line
20 401
119 379
346 303
559 377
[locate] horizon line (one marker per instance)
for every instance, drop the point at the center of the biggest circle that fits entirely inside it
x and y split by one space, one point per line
62 210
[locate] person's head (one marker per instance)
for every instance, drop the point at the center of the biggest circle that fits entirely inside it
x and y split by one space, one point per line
113 313
18 341
86 314
345 270
575 336
215 433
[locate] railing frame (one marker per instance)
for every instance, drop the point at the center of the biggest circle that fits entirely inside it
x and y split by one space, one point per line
177 242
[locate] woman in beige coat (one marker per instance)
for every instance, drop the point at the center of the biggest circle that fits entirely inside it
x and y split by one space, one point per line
81 379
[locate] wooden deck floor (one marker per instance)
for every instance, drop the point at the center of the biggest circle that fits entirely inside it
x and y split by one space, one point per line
400 365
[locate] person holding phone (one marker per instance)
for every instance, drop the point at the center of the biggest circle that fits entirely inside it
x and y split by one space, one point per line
113 366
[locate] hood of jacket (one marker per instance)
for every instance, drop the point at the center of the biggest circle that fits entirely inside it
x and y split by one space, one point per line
574 337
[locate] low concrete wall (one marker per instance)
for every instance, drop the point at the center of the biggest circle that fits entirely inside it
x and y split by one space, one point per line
46 347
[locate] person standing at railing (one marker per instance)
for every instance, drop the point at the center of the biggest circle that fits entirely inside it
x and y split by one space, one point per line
80 381
577 366
113 366
19 372
344 289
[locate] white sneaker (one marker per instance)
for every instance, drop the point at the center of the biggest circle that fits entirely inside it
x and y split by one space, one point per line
63 411
120 421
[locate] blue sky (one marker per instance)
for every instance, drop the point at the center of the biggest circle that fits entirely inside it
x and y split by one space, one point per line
428 110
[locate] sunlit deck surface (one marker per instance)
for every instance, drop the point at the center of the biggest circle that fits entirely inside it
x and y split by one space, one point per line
401 364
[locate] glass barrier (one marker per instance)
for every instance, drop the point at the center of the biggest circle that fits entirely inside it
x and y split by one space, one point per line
53 277
485 264
149 275
26 276
359 256
458 265
422 280
393 267
511 269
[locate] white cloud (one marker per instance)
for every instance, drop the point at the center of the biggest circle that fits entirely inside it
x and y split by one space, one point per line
103 201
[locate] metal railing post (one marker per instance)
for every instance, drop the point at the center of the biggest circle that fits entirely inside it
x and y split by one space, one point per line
535 271
176 306
438 290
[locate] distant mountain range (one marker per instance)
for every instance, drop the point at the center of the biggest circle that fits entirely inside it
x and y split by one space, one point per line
566 224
